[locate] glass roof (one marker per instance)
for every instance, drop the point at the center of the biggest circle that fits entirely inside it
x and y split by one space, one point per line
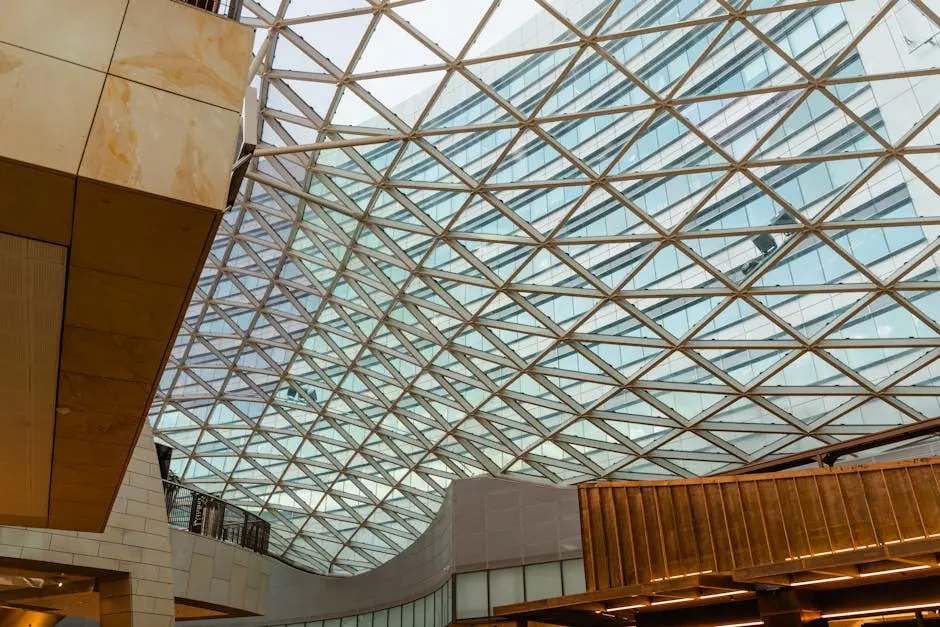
558 240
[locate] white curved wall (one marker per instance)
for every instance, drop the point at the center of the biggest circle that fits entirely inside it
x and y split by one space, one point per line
485 523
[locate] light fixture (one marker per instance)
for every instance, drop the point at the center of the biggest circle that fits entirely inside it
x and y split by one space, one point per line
883 610
723 594
895 570
813 581
625 607
672 601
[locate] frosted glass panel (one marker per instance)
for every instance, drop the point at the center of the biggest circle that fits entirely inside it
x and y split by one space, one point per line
542 581
506 586
573 576
471 595
394 617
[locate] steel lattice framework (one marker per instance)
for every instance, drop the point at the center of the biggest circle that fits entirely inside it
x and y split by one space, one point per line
622 239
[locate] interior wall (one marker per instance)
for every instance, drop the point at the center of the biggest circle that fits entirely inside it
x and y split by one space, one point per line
484 523
135 541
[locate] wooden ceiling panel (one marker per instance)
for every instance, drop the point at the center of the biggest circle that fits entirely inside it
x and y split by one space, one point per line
133 234
36 203
121 304
110 355
32 286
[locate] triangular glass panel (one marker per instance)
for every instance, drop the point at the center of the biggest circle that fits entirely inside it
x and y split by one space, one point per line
435 19
475 105
406 95
740 321
679 368
744 365
595 85
877 364
494 37
755 65
481 216
630 15
353 110
883 319
417 165
927 302
811 262
523 80
744 413
324 35
873 415
531 158
387 35
669 268
809 370
809 314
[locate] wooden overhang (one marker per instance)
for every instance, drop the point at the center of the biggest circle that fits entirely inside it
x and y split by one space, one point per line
726 550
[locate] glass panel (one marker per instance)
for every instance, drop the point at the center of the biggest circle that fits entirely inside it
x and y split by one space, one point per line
408 615
506 586
472 601
543 581
394 617
572 572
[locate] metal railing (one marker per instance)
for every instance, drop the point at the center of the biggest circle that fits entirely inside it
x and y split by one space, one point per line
198 512
232 9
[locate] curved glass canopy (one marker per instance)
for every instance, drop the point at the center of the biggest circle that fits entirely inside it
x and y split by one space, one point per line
558 240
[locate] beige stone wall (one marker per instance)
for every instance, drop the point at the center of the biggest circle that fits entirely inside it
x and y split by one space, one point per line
118 125
163 564
136 541
145 94
210 571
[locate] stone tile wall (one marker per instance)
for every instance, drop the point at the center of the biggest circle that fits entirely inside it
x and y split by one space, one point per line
210 571
136 541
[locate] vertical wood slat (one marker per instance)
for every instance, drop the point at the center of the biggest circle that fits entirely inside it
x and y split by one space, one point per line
612 536
644 563
599 540
587 540
627 546
640 532
924 485
705 533
685 528
655 546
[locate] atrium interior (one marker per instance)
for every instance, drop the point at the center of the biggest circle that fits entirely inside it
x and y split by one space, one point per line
419 313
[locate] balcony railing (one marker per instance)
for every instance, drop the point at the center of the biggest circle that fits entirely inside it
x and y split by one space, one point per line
207 515
231 9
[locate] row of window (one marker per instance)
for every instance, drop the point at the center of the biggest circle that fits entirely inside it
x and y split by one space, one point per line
471 595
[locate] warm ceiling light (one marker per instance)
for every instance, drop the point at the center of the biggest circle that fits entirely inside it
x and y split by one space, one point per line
883 610
723 594
625 607
671 601
895 570
812 581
